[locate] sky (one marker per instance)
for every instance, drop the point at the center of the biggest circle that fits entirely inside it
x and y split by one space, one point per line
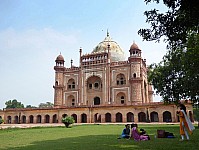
33 33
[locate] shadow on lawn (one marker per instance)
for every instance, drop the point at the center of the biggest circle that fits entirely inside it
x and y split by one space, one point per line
90 142
108 142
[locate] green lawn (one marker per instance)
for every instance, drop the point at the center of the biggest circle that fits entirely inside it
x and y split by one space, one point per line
91 137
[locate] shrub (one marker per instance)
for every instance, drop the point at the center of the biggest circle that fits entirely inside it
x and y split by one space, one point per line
1 120
68 120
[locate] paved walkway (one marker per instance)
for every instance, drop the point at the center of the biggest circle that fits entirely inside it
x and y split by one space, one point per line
4 126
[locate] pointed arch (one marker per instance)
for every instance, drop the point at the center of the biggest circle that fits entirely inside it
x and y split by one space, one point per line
64 115
97 118
107 117
119 117
154 116
9 119
94 83
130 117
71 84
23 119
55 118
47 118
31 119
121 98
16 121
142 117
96 100
94 90
120 79
74 117
83 118
167 116
39 118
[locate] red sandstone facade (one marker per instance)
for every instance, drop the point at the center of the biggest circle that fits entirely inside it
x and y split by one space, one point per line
104 88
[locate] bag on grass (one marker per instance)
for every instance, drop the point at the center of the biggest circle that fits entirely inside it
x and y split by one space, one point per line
161 133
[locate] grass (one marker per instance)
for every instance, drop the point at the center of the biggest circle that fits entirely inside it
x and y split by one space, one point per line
91 137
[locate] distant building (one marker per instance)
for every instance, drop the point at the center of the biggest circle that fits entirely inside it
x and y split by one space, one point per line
104 88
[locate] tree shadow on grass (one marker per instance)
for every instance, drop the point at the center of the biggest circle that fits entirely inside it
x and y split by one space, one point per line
110 142
90 142
107 142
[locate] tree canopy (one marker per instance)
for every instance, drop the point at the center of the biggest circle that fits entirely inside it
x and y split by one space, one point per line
46 105
30 106
175 24
176 77
13 104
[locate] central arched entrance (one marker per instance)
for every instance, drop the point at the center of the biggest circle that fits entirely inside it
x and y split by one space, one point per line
94 90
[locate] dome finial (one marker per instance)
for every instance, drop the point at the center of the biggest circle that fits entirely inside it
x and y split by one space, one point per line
71 62
107 34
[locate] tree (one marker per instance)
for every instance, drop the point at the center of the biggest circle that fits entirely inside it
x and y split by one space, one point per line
46 105
196 112
175 24
165 79
30 106
191 65
13 104
1 120
177 75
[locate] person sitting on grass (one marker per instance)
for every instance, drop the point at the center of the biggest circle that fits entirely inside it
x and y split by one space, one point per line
135 134
125 132
143 132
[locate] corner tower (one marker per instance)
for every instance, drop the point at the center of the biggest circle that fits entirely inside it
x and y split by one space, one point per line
135 61
59 80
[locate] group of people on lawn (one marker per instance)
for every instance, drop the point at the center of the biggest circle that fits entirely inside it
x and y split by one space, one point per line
185 127
133 133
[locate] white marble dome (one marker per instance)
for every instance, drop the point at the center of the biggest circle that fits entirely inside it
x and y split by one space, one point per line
117 54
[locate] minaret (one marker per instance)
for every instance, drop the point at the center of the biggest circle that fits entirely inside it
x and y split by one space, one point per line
80 55
108 47
108 71
59 81
80 77
135 74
